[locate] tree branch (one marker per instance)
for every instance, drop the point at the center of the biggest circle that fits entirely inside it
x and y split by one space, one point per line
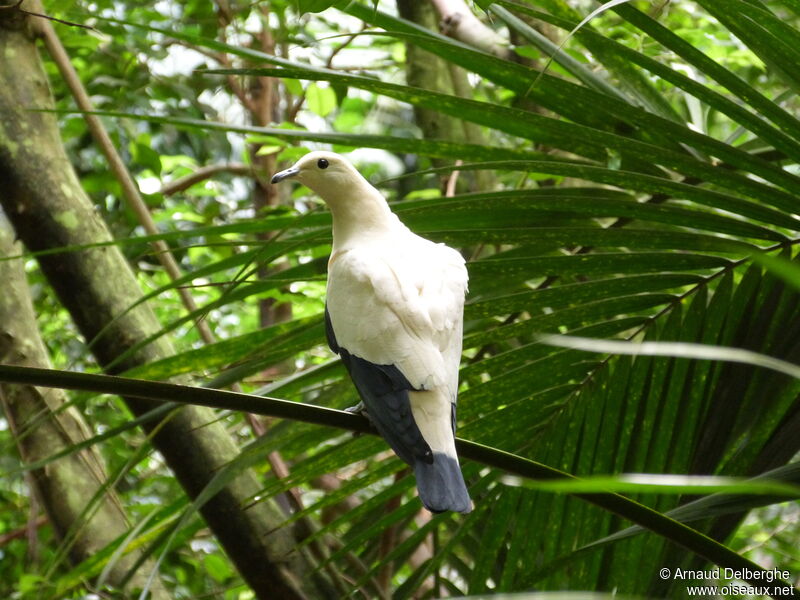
459 22
183 183
626 508
129 188
43 424
43 198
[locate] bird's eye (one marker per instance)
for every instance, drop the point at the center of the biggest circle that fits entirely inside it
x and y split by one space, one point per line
322 163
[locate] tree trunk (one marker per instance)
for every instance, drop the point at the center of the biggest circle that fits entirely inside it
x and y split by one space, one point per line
48 209
428 71
43 427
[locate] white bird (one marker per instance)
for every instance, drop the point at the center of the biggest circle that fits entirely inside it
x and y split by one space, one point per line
394 314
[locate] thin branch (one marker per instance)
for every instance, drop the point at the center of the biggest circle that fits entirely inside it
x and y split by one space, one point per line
118 168
236 88
450 189
626 508
131 191
459 22
223 60
12 6
57 20
259 101
342 46
18 8
183 183
291 112
359 566
21 532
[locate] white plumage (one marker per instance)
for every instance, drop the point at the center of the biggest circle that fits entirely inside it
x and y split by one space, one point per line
394 311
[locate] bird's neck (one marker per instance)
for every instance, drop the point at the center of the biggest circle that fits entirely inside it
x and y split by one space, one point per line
358 214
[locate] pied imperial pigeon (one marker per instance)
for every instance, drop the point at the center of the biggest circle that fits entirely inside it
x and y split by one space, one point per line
394 314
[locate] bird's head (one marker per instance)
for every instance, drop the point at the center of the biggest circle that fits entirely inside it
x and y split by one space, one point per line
357 207
327 173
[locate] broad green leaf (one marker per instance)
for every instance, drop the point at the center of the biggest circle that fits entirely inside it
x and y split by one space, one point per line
321 100
304 6
579 139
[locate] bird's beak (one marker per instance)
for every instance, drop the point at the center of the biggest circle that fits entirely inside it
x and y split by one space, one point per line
280 176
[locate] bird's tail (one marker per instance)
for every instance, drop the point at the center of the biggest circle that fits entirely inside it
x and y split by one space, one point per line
441 485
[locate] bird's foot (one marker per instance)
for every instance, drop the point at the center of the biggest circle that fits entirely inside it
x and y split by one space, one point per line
360 409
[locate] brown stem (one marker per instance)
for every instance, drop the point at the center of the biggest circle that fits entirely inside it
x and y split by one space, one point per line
458 21
118 168
20 532
450 188
203 173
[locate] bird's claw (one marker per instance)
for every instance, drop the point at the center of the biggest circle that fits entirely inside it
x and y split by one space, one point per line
360 409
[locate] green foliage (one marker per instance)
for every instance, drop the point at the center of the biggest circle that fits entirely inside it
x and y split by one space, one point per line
644 188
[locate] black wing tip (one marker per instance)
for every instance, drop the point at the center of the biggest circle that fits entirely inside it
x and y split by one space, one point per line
329 335
441 485
384 392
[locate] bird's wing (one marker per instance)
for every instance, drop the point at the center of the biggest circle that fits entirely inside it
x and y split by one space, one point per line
401 304
394 314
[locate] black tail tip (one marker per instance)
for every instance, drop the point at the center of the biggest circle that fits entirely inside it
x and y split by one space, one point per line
441 485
